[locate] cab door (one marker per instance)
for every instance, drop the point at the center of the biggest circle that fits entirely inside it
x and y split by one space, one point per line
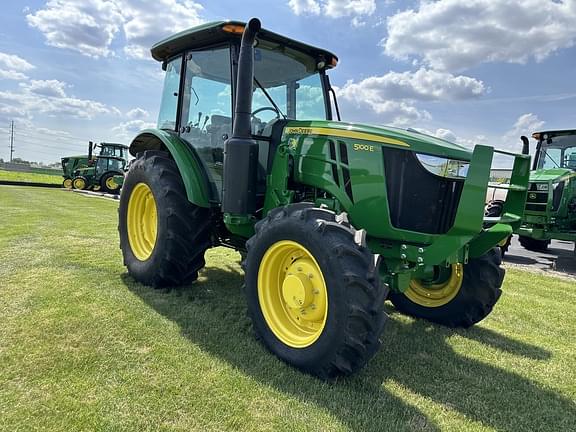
206 109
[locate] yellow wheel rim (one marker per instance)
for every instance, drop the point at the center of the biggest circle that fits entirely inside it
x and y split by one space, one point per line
79 183
435 295
142 221
68 183
111 184
292 294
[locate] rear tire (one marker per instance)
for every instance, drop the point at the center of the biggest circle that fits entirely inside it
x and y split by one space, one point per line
475 299
534 244
354 317
178 233
108 185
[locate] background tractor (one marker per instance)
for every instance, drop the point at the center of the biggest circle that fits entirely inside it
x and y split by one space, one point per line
550 211
331 218
69 166
100 172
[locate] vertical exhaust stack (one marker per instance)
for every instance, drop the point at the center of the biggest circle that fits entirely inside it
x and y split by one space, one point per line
241 150
525 145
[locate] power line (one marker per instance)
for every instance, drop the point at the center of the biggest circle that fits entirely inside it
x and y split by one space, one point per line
11 139
34 134
43 142
47 146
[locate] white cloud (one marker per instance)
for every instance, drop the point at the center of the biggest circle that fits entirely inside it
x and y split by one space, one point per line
13 66
13 62
424 84
12 75
393 112
86 26
334 8
525 125
446 134
51 88
301 7
394 94
148 22
48 97
91 26
137 114
449 135
127 130
455 35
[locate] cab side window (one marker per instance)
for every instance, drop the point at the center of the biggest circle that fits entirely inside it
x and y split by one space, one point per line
169 104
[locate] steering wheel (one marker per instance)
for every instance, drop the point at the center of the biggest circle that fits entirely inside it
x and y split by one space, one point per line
266 108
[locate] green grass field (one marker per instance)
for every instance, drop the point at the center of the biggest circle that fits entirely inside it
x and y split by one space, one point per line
83 347
31 177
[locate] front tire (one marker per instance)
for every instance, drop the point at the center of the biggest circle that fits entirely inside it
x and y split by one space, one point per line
67 183
313 291
467 297
534 244
80 183
163 236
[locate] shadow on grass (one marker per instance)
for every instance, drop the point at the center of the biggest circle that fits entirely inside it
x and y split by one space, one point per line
414 357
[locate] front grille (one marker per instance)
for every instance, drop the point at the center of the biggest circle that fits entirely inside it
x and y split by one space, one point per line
417 199
536 200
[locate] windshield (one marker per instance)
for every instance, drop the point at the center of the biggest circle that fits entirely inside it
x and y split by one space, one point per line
558 152
287 85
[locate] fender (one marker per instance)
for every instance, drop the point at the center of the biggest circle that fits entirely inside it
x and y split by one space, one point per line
191 170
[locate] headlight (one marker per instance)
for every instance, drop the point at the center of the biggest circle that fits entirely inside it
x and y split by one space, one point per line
542 186
444 167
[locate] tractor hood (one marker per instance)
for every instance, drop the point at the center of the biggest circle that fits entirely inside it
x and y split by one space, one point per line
408 138
554 175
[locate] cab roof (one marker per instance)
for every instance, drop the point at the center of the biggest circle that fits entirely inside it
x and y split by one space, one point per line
113 145
554 133
216 32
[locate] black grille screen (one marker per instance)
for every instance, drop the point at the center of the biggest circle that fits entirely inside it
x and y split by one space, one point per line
536 200
419 200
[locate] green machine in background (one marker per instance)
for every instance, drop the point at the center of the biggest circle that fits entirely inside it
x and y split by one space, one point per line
551 202
69 166
332 218
100 171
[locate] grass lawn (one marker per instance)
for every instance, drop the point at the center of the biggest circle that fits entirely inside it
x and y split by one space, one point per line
83 347
30 177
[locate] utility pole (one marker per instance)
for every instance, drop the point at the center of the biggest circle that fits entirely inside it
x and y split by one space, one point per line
11 139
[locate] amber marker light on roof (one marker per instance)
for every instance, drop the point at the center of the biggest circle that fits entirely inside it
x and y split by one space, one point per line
233 28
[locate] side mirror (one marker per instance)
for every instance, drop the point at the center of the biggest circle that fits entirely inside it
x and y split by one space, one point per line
525 145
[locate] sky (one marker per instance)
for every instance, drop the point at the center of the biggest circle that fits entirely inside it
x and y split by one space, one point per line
474 72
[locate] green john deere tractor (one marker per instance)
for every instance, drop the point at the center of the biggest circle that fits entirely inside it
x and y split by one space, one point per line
101 170
69 165
550 211
332 218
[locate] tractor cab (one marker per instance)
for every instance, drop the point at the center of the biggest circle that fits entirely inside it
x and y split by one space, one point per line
112 150
555 150
290 83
